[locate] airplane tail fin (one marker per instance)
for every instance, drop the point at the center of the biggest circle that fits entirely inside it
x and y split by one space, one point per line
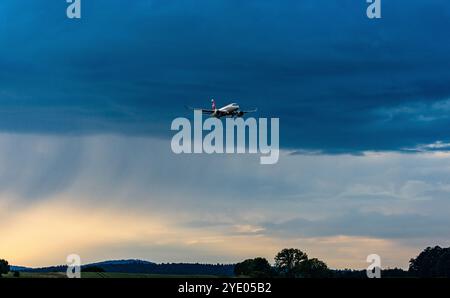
213 103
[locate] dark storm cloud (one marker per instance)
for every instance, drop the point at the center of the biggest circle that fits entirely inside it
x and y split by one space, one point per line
339 83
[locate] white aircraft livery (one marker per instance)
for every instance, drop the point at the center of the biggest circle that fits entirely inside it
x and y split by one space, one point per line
231 110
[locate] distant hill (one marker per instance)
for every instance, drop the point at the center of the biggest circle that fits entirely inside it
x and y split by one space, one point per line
121 262
140 266
19 268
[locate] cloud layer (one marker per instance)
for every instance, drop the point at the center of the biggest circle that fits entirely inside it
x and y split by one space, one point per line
340 83
86 107
123 195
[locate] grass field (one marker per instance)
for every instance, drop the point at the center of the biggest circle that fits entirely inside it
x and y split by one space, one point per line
36 275
103 275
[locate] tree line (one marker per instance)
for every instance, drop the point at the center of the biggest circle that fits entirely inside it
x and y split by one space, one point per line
289 262
293 263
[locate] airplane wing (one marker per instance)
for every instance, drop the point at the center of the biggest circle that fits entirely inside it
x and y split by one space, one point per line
204 111
250 111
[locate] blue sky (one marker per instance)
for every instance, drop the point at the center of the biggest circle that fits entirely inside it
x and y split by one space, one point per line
339 81
86 107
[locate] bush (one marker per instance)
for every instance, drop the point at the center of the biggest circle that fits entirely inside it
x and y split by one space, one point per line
4 267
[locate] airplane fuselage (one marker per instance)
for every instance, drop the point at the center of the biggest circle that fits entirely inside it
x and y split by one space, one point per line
232 107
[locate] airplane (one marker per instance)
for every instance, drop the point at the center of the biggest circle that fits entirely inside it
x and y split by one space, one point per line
231 110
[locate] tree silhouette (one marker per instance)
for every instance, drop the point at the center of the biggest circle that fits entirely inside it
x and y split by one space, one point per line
289 262
443 265
258 267
314 268
293 263
4 267
431 262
